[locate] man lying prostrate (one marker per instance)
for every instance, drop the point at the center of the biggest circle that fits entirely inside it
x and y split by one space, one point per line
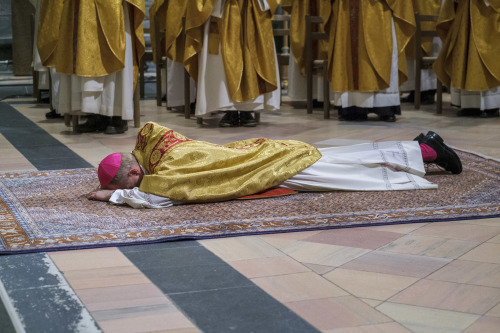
167 168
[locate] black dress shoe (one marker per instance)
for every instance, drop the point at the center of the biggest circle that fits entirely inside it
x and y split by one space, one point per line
489 113
247 120
419 138
53 115
116 126
410 98
94 123
446 157
389 119
230 119
427 97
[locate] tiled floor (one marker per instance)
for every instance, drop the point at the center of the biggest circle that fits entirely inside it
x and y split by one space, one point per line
437 277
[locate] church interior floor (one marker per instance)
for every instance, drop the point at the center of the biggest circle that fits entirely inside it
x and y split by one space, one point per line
427 277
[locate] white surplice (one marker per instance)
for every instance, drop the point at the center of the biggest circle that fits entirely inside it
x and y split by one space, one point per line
482 100
173 86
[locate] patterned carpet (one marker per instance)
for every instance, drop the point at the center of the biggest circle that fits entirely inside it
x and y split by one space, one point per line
44 211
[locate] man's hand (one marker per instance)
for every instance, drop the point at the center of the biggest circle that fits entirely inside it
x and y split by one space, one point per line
101 195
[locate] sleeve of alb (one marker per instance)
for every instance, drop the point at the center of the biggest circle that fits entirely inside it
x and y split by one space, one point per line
137 199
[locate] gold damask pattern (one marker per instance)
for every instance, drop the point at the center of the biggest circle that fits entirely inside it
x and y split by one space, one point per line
190 170
470 31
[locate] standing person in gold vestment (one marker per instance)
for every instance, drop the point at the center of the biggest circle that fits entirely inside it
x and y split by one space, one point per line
367 61
230 52
298 9
96 47
430 47
169 13
469 60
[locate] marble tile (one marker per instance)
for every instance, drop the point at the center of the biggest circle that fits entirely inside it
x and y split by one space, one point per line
299 235
469 272
375 328
449 296
89 259
484 325
495 311
105 277
354 237
425 320
171 322
396 264
130 296
260 267
319 269
370 285
495 239
486 252
492 222
460 231
405 228
439 247
240 248
338 312
298 286
322 254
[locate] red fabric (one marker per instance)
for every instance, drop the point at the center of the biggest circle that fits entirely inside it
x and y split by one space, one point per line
428 154
275 192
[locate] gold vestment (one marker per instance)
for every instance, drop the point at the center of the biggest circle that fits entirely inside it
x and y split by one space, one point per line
471 45
245 35
198 171
89 40
371 70
298 9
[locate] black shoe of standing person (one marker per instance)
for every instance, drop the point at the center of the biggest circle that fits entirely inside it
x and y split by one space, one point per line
247 120
94 123
489 113
410 98
446 157
230 119
116 126
53 115
389 118
427 97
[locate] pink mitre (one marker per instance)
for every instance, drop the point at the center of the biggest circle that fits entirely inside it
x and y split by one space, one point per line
108 168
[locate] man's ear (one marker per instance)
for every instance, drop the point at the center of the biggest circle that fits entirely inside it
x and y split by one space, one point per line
134 171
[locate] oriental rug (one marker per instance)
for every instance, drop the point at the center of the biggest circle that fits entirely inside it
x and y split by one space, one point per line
48 210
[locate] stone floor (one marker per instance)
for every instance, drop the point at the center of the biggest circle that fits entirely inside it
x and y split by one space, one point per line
428 277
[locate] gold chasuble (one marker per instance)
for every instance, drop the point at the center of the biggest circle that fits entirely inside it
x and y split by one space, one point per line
244 36
87 38
470 32
360 48
197 13
174 40
298 9
196 171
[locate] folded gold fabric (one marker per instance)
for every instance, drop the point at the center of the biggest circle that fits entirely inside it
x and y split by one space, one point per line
87 38
371 33
471 35
196 171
